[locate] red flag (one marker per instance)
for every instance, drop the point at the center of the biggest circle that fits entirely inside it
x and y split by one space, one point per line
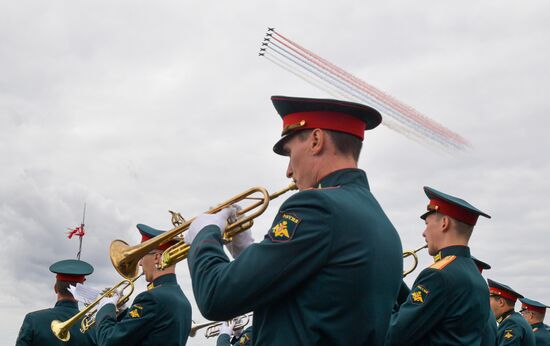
79 231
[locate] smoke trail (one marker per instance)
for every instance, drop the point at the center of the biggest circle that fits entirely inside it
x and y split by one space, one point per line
337 82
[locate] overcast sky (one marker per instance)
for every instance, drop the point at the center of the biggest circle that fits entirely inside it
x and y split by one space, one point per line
137 107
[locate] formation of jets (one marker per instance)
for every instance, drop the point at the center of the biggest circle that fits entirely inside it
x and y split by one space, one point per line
266 41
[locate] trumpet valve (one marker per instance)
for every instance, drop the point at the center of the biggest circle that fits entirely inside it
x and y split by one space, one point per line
231 232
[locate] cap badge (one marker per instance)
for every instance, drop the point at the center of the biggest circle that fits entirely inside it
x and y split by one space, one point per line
291 127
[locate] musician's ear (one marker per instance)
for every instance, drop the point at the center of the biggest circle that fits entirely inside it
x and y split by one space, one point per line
318 139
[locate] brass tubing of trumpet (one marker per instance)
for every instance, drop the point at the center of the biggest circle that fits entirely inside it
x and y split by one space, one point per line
179 251
196 327
415 259
89 320
125 258
61 329
213 327
213 330
240 323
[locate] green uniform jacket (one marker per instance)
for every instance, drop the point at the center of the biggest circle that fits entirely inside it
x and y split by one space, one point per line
542 335
331 261
490 334
244 339
403 294
448 304
513 329
158 316
36 328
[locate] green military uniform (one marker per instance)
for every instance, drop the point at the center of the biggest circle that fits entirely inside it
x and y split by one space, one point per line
36 327
542 335
448 304
403 294
244 339
513 329
490 334
317 276
159 316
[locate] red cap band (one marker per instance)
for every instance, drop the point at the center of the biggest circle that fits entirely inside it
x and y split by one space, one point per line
70 278
533 308
327 120
504 294
161 247
454 211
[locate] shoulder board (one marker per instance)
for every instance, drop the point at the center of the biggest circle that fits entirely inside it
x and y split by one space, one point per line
443 262
151 286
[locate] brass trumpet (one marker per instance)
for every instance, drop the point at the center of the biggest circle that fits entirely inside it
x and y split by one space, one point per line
125 258
408 253
213 328
89 320
62 329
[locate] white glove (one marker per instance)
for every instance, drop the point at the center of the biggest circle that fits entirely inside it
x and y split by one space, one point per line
227 328
219 219
84 294
233 217
240 242
109 300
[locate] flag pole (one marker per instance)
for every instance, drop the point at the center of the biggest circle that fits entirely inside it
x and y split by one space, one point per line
80 235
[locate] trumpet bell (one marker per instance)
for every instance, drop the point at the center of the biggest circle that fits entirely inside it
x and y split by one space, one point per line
60 330
127 266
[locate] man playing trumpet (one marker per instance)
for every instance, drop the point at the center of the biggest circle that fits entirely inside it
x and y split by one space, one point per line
318 272
159 316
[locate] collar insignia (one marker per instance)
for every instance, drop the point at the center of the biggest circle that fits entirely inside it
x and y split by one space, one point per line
437 257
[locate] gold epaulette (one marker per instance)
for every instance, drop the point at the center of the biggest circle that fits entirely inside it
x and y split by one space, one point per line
443 262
